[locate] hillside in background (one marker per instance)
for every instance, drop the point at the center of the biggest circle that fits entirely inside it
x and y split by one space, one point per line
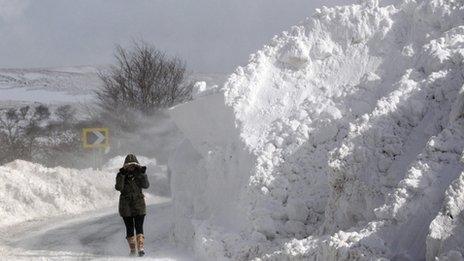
70 85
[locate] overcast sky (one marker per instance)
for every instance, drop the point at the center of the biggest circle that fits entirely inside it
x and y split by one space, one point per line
211 35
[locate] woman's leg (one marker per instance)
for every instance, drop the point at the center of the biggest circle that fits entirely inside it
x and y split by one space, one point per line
131 239
139 224
139 234
129 222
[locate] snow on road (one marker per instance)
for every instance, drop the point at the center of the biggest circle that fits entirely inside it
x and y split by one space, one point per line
97 235
60 213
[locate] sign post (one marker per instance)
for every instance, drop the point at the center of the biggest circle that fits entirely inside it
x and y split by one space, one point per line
96 139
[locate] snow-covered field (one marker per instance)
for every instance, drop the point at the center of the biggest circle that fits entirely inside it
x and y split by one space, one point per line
74 80
69 85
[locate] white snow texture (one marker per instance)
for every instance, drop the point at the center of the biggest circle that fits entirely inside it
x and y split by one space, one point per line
31 192
340 140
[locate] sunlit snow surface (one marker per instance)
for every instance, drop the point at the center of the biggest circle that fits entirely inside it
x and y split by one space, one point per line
340 140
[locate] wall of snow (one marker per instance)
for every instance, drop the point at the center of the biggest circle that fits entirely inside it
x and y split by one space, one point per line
30 191
337 141
446 232
208 168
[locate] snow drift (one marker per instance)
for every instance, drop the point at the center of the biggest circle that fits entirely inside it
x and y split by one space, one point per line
340 140
30 191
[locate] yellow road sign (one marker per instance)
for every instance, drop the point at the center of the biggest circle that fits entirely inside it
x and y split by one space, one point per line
95 137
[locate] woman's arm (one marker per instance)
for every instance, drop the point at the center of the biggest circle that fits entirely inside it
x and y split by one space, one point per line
142 179
119 182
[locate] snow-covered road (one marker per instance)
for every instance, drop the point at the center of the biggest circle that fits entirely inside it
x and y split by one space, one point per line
90 236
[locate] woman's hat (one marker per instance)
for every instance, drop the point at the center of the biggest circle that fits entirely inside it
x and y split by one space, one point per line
131 160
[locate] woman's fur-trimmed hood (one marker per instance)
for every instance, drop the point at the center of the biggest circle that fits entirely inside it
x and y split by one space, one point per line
132 162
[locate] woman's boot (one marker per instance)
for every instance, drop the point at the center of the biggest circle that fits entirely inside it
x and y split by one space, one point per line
140 241
132 245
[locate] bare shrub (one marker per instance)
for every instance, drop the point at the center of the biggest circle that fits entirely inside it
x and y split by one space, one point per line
29 133
66 113
144 79
19 130
41 113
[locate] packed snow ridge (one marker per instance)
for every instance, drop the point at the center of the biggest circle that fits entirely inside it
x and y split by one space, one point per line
32 192
340 140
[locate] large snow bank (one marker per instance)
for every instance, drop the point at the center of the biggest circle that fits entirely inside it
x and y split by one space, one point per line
207 169
446 233
338 141
30 191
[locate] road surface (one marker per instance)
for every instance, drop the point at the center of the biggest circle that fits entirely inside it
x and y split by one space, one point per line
97 235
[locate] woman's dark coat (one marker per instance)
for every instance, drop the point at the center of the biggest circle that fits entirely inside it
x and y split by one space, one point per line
130 181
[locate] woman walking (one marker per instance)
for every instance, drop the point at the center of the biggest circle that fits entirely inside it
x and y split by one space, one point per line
130 181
